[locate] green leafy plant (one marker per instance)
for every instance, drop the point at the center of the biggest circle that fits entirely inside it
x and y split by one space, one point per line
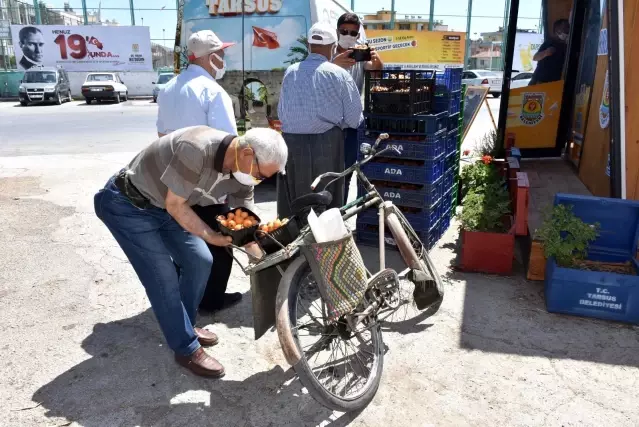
486 210
477 175
565 236
489 145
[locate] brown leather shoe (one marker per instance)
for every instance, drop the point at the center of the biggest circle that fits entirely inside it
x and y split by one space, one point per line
206 338
200 363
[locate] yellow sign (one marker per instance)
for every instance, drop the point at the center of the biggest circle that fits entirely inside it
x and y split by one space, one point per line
419 49
533 115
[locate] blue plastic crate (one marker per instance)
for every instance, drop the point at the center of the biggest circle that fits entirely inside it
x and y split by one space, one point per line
431 147
427 196
451 142
451 78
449 179
446 220
428 173
454 121
418 125
368 235
424 220
448 102
602 295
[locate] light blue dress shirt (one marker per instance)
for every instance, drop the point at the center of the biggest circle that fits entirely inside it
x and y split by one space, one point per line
194 98
317 96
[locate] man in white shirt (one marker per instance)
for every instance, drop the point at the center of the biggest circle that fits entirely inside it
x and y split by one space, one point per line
194 98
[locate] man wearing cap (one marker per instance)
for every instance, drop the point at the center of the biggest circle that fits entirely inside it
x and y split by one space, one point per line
149 209
318 101
349 33
194 98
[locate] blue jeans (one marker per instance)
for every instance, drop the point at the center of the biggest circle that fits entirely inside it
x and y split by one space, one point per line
152 240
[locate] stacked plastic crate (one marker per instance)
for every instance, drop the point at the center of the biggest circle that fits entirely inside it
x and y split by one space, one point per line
449 100
400 103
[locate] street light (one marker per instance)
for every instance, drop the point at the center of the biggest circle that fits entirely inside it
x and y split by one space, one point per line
164 46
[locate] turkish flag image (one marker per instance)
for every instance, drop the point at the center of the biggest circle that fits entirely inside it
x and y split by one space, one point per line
265 38
95 42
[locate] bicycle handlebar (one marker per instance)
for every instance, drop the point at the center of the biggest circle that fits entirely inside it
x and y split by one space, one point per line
350 170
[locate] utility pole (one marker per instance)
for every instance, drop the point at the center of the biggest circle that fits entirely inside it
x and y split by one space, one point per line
84 12
37 12
392 21
132 12
431 19
470 14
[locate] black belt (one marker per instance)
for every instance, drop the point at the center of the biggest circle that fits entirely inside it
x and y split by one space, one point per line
137 199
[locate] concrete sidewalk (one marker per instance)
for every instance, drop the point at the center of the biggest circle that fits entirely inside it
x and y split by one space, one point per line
80 345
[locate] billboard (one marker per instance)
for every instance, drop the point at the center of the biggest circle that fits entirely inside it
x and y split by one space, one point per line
526 46
83 48
269 35
419 49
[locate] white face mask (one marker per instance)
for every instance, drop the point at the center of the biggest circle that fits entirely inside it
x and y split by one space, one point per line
219 72
563 37
244 178
347 42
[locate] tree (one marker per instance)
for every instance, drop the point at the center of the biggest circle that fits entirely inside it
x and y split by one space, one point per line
262 93
298 53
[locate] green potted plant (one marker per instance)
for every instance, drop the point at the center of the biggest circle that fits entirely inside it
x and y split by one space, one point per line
487 230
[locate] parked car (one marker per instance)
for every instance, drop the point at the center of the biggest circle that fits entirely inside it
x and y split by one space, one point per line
44 84
101 86
521 80
491 79
163 79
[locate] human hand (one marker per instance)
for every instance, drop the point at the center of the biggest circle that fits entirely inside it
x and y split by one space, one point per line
550 51
344 60
374 55
216 239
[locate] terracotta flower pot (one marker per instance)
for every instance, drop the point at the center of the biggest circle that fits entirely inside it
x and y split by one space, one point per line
490 253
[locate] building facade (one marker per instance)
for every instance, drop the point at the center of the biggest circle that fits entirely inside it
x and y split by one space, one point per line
382 21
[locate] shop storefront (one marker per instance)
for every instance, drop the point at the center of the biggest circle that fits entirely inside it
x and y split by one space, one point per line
586 113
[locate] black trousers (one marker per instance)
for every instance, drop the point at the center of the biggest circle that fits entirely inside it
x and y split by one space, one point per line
222 262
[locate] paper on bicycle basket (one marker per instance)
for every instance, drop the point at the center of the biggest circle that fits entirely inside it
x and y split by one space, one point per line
328 227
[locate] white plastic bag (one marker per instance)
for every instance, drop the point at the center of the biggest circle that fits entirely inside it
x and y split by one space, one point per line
328 227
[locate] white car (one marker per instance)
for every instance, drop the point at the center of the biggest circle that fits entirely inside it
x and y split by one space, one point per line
163 79
101 86
521 80
490 79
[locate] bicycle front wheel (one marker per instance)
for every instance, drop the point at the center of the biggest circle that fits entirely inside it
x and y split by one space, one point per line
339 367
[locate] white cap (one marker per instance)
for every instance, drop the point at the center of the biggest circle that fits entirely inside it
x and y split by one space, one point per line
204 42
322 34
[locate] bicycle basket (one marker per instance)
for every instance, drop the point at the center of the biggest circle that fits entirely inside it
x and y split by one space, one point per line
340 273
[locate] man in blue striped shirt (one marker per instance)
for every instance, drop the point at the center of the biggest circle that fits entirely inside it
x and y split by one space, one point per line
318 101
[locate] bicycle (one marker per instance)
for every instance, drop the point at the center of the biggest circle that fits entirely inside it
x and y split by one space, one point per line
332 358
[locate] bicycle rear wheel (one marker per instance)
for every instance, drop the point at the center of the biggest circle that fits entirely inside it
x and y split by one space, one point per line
339 367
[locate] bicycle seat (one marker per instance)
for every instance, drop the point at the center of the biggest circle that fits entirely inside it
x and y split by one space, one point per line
321 199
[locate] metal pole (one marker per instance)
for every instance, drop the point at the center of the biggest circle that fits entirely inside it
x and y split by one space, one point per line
84 12
37 12
509 47
469 19
392 21
132 12
353 5
431 19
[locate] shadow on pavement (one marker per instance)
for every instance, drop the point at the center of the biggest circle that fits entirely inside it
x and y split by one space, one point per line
131 379
508 315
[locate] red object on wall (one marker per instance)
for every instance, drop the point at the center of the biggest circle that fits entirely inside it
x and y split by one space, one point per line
490 253
265 38
522 202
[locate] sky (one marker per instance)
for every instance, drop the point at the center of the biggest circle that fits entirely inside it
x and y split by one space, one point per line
487 15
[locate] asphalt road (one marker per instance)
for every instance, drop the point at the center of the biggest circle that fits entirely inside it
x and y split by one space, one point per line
76 128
